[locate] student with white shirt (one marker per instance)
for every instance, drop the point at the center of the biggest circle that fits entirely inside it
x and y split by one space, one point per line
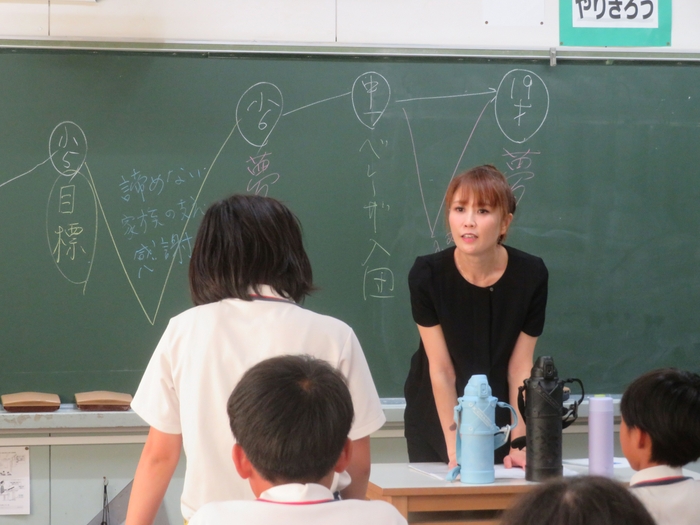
290 416
659 433
248 273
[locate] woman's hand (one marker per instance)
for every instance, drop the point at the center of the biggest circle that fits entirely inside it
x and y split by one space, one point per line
516 458
452 463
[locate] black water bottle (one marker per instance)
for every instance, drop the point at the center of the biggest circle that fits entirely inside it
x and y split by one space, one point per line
545 416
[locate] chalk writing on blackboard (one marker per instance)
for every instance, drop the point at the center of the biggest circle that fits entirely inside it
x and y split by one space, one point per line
521 105
370 97
378 279
71 227
519 165
258 111
260 181
67 148
149 227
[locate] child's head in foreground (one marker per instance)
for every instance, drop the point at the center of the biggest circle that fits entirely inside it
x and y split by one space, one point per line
291 416
578 500
661 419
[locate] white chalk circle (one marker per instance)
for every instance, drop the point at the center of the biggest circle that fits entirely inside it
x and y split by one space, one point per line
522 105
71 227
370 97
67 148
258 111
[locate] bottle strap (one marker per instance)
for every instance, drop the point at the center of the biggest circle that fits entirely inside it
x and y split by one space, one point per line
571 414
521 400
501 437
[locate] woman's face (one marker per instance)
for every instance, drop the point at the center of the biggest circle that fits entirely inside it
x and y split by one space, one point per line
475 227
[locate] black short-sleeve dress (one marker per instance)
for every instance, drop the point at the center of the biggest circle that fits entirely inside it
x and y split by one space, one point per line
481 326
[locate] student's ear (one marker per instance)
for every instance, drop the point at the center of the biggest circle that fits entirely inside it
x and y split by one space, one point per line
640 442
240 460
344 460
643 440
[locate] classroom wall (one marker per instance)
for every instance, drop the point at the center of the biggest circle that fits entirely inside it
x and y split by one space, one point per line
445 23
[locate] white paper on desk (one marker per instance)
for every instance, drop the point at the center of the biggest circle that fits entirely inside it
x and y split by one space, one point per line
14 480
617 462
440 470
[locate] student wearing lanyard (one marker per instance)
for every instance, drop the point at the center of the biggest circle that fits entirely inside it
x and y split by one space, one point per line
248 274
290 417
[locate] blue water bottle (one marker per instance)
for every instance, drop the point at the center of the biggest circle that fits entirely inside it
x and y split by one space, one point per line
478 436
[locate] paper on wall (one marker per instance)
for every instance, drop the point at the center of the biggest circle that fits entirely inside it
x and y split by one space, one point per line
14 480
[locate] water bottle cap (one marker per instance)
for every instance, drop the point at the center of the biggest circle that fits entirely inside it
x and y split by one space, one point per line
544 368
478 386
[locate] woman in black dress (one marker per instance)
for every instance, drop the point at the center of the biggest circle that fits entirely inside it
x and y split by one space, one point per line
479 307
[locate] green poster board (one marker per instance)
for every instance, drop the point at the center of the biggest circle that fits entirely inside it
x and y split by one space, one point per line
623 30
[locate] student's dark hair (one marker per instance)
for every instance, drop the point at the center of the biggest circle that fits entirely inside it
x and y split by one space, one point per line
246 241
665 403
578 500
486 185
291 415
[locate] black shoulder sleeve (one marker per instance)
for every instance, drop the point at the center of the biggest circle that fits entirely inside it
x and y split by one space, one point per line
534 322
420 284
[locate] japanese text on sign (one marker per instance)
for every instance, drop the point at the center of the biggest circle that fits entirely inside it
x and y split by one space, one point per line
616 13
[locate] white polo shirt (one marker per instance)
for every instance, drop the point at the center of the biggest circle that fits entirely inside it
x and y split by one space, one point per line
201 357
297 504
670 497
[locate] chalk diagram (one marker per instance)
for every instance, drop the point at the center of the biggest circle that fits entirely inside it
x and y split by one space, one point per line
74 208
520 105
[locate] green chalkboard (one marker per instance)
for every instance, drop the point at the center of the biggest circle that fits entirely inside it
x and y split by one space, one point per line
108 159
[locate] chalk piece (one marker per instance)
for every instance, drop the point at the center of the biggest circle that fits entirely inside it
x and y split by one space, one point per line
103 400
30 402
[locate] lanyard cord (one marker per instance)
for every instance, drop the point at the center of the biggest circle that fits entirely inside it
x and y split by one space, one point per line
105 503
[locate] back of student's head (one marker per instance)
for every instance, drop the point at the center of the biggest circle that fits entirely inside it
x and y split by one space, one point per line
291 415
245 241
579 500
665 404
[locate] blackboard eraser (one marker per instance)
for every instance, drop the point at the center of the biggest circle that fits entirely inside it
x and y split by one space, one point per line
103 400
30 402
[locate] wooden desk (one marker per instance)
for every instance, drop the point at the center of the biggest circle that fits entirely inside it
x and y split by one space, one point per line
426 500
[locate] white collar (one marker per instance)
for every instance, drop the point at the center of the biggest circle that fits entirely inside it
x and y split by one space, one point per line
656 473
297 493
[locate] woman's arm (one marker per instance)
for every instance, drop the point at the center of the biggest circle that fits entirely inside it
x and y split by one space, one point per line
519 368
443 379
159 459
